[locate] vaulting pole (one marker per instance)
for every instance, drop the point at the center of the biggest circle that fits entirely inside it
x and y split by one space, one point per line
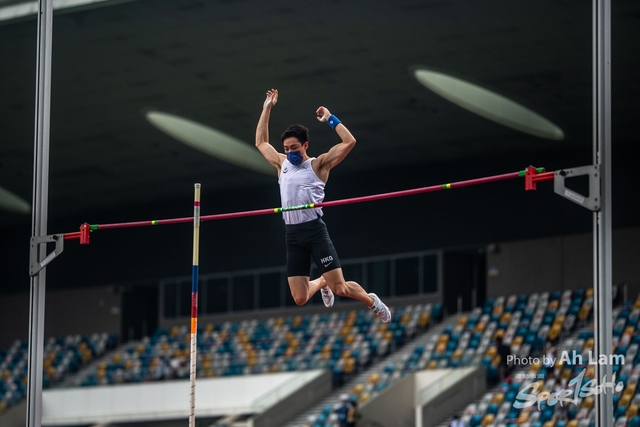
194 302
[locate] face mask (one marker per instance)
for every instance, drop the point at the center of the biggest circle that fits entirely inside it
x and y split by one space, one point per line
294 157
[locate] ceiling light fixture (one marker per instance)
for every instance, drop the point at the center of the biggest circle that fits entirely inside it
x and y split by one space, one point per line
211 141
13 203
21 9
488 104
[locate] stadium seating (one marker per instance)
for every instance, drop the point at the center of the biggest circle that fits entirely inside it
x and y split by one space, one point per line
626 393
524 323
61 356
341 341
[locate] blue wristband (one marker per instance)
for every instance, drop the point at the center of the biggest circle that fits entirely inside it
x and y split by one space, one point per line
333 121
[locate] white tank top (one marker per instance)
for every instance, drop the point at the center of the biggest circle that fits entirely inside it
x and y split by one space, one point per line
299 185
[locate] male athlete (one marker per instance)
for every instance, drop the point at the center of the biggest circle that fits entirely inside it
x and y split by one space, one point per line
302 180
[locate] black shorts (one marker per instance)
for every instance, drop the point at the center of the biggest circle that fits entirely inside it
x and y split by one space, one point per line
309 240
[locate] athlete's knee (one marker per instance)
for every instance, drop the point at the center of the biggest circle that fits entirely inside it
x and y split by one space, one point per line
300 299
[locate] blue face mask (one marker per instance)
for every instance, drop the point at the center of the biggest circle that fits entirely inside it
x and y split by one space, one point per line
294 157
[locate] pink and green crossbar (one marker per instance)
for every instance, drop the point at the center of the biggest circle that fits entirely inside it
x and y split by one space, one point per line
532 175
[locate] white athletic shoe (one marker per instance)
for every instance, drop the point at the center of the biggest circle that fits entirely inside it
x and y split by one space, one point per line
380 309
327 296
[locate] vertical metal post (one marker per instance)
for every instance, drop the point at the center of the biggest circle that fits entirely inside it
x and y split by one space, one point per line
40 209
602 218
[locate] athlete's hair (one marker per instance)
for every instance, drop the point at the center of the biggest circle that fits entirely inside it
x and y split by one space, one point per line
300 132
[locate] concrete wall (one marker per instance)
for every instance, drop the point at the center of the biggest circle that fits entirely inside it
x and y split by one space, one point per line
452 399
393 407
67 312
16 416
399 405
166 400
560 263
287 408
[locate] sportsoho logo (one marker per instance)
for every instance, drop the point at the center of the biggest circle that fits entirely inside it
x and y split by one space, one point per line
576 388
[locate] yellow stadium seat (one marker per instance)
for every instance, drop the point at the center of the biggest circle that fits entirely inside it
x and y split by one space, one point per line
373 379
491 351
523 417
588 402
631 389
535 367
588 344
517 341
487 420
553 305
591 372
625 400
572 423
496 360
549 424
462 321
498 398
363 397
357 389
209 328
350 365
584 312
432 365
589 293
424 320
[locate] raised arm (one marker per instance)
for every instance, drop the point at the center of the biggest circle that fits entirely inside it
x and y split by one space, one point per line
262 131
338 152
